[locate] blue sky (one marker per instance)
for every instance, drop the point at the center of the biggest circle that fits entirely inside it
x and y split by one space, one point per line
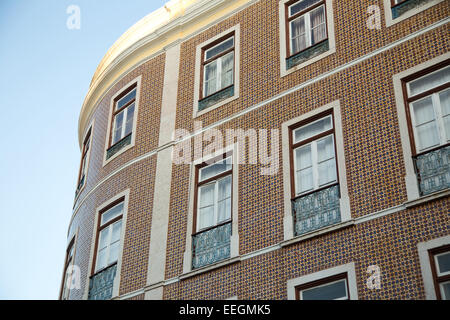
45 72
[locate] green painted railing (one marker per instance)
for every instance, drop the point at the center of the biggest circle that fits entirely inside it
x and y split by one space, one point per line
211 246
316 210
433 170
101 284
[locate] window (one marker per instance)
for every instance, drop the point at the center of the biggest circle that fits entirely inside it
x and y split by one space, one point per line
307 24
427 101
217 71
314 179
67 272
336 283
440 262
398 10
122 121
107 249
306 31
331 288
84 162
213 209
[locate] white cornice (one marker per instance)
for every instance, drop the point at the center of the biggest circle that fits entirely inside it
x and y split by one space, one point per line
179 25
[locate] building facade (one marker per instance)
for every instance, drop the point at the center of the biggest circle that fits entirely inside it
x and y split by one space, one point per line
271 149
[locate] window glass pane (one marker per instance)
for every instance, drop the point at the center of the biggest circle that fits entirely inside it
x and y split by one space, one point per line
298 35
117 134
215 169
426 128
313 129
130 96
445 290
205 217
327 172
130 116
225 188
443 263
331 291
429 81
112 213
116 231
224 210
300 6
103 240
303 157
210 78
325 149
304 180
318 25
227 70
101 259
444 97
113 252
207 195
221 47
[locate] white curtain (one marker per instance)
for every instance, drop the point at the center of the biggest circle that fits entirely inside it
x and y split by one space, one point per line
318 25
298 35
210 78
206 206
224 204
130 116
227 70
118 127
444 97
425 123
115 242
304 169
326 161
313 129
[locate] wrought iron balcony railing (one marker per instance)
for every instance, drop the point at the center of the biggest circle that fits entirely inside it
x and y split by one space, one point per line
316 210
101 284
211 246
433 170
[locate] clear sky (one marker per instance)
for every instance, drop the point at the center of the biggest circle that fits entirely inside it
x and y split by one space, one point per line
45 71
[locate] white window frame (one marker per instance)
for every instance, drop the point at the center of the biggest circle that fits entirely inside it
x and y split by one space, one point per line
137 82
218 62
326 284
234 241
314 158
216 197
348 268
439 118
125 119
427 276
344 202
198 63
126 195
388 11
282 36
110 231
412 187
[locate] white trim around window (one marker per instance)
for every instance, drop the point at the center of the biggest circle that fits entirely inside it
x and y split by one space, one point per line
425 266
234 242
412 187
340 160
388 11
348 268
198 62
126 195
282 37
137 81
